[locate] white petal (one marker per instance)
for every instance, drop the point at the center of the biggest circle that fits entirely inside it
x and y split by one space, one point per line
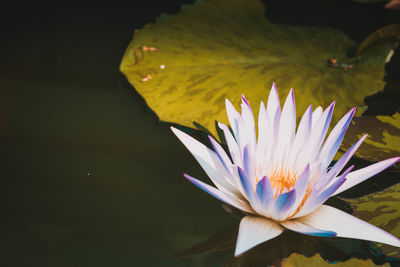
224 197
363 174
273 104
339 165
301 188
346 225
232 145
275 131
318 132
316 200
248 120
316 115
283 205
254 231
209 161
300 227
265 195
302 137
287 126
233 116
335 138
225 160
264 138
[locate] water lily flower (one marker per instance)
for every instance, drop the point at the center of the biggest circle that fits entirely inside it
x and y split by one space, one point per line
281 179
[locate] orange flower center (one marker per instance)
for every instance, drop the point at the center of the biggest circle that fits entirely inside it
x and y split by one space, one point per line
283 179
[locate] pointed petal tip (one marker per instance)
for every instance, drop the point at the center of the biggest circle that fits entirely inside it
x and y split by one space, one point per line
346 225
176 131
391 161
187 176
307 168
274 89
254 231
229 105
332 106
349 169
291 95
245 100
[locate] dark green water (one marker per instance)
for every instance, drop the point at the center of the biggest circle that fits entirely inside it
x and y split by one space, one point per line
89 176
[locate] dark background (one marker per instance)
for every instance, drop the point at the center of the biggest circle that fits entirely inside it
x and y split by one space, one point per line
89 177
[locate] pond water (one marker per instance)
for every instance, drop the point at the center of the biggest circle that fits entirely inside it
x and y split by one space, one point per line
90 177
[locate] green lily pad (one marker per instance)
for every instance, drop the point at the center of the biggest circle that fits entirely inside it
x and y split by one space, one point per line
383 210
383 139
390 31
187 64
297 260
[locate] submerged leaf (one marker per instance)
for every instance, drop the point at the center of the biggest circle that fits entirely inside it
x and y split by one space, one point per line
383 210
296 260
220 49
389 31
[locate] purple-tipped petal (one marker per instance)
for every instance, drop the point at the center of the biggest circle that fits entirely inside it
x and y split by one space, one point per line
247 185
245 100
330 153
209 161
265 193
314 202
283 204
345 225
318 133
254 231
321 128
363 174
223 157
230 200
247 160
339 165
302 228
336 136
301 188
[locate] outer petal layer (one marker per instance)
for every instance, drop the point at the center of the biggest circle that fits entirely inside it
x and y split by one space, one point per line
254 231
346 225
363 174
300 227
230 200
209 161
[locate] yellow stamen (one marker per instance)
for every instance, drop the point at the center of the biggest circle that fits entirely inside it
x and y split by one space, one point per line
282 179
